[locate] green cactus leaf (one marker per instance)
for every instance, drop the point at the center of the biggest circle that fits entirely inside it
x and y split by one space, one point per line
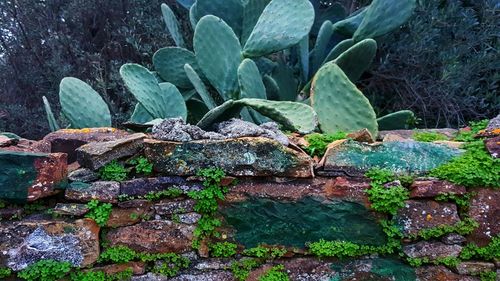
251 12
251 85
340 48
230 11
321 45
186 3
169 63
357 59
218 52
140 115
303 53
172 25
401 120
176 106
384 16
339 104
82 105
196 110
199 86
287 84
272 88
193 16
334 13
50 116
189 94
160 102
348 26
265 65
291 115
282 24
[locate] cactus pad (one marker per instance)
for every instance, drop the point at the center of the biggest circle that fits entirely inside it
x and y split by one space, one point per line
172 25
200 87
319 51
251 85
339 104
83 106
348 26
50 116
169 63
384 16
140 115
252 10
230 11
282 24
175 106
357 59
218 53
400 120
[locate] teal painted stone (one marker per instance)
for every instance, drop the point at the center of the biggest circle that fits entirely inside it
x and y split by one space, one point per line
405 157
286 223
249 156
374 269
26 176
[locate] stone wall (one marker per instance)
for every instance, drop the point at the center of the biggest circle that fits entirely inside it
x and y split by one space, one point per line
57 199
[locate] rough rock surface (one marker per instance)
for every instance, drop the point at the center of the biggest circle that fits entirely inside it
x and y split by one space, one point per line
431 250
71 209
26 242
169 207
474 267
129 213
68 140
423 214
237 157
453 238
154 237
26 176
353 158
440 273
430 187
138 268
176 129
104 191
493 146
216 275
143 186
494 123
485 209
83 175
97 154
407 134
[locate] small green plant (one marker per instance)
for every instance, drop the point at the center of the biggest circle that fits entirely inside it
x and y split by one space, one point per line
142 165
3 204
319 142
223 249
168 193
45 270
242 268
462 201
276 273
113 171
475 127
266 253
88 276
5 272
488 276
475 167
99 212
385 199
450 262
428 136
489 252
339 249
464 227
171 264
118 254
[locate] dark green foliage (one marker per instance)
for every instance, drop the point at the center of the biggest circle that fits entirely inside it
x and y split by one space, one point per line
101 276
276 273
118 254
223 249
319 142
488 276
443 65
142 165
5 272
450 262
475 127
464 227
99 212
474 168
489 252
428 136
385 199
266 253
113 171
45 270
242 269
171 264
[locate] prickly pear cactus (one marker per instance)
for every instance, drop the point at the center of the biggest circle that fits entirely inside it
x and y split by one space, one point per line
339 104
384 16
341 47
50 116
319 51
400 120
169 63
251 85
282 24
357 59
83 106
349 25
172 25
140 115
199 86
160 102
230 11
218 52
252 10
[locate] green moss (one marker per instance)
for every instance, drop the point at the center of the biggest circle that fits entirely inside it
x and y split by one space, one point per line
99 212
385 199
266 253
113 171
276 273
118 254
5 272
142 165
319 142
488 276
170 264
475 127
489 252
428 136
464 227
223 249
45 270
474 168
450 262
101 276
169 193
241 269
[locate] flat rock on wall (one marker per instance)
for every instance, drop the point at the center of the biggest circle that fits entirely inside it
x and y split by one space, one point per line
237 157
26 242
354 158
26 176
485 209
